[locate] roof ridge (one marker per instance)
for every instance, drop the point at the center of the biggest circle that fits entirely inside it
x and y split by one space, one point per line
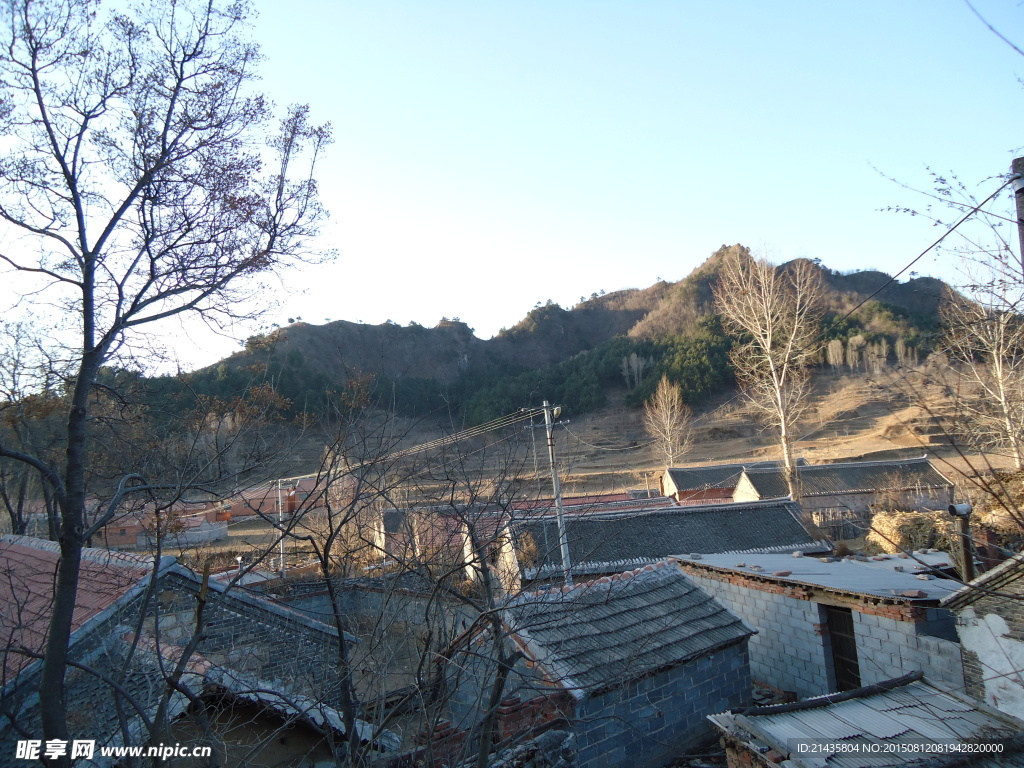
842 464
89 554
661 567
687 509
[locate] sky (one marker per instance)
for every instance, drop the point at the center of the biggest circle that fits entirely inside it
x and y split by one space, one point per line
492 155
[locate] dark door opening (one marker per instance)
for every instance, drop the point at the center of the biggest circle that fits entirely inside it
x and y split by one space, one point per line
844 647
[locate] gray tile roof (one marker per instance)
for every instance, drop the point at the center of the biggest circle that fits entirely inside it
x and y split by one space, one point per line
601 634
651 535
850 477
907 715
716 475
873 578
993 580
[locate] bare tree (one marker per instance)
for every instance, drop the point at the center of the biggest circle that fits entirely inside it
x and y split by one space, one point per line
633 367
855 346
834 354
139 176
984 336
775 314
669 421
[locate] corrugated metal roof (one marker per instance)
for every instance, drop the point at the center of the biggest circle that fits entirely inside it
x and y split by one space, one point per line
652 534
603 633
913 714
875 578
850 477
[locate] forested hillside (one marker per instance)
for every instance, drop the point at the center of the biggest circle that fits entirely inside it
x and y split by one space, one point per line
619 345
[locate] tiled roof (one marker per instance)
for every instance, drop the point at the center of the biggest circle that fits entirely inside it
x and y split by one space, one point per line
576 505
571 501
991 581
877 728
716 475
600 634
850 477
652 535
873 577
28 569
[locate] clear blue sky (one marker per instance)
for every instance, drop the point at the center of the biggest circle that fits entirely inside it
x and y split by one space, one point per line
490 155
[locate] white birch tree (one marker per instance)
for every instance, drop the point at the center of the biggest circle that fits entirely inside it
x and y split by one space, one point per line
669 421
774 313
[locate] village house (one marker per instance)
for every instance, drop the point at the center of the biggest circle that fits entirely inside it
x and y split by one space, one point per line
834 624
133 616
182 524
990 621
839 497
602 543
275 498
907 721
710 483
632 664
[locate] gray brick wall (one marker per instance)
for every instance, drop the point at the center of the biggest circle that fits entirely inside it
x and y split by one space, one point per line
652 720
787 652
887 648
642 723
792 652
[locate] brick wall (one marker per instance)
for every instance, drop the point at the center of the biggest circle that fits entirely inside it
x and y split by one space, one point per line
888 648
789 650
792 652
649 721
640 723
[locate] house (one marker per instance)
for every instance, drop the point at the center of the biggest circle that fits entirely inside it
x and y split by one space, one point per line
133 617
632 664
839 497
990 621
182 524
607 543
710 483
832 624
474 539
907 721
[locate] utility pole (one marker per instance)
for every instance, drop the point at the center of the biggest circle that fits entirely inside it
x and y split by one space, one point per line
1017 175
280 524
550 414
536 473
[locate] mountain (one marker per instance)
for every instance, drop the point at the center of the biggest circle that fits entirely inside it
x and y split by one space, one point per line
428 367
